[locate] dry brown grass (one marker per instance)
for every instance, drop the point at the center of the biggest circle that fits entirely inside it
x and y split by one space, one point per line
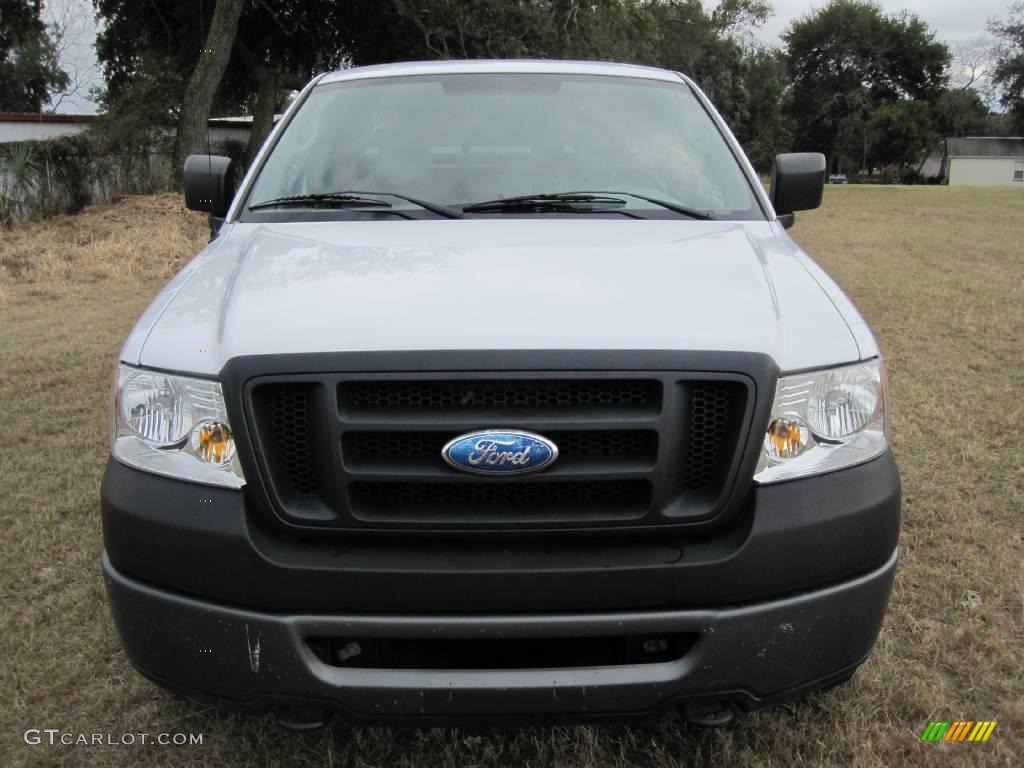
140 236
938 273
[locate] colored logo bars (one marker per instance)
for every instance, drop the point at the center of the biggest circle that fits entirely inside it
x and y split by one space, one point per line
958 730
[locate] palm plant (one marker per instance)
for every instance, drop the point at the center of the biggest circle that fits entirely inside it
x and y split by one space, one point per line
19 176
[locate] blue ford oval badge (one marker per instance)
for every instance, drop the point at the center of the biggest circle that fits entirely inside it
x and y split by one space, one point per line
500 452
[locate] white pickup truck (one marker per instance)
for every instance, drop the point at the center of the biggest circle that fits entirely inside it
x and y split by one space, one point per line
500 392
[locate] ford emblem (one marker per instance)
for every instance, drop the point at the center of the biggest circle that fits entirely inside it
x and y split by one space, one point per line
500 452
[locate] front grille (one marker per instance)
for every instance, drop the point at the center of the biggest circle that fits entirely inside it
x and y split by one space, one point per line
364 450
476 395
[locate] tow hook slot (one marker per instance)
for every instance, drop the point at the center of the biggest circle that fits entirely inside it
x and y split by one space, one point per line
710 714
301 719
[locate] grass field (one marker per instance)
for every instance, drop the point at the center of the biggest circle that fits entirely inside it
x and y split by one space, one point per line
939 274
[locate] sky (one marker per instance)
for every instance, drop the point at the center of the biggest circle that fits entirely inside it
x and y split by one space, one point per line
955 21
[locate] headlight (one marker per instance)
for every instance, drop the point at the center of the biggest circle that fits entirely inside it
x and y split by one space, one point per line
175 426
156 408
825 420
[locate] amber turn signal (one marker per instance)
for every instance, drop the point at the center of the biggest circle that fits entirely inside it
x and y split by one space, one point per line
212 442
786 438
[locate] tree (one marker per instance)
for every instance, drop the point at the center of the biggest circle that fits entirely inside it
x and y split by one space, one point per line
683 36
680 35
960 112
764 127
469 29
29 70
973 62
279 47
149 52
205 80
848 59
1009 70
900 132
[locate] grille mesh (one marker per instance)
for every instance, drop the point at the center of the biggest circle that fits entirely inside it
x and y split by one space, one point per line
490 496
469 395
605 445
290 425
408 445
711 406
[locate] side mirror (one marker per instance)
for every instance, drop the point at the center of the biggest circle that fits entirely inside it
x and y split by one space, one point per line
798 183
210 183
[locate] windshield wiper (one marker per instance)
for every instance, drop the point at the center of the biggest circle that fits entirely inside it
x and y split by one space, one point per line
354 199
667 204
564 201
440 210
328 199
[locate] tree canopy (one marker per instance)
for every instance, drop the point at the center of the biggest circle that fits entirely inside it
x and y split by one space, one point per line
150 51
849 59
29 70
1009 70
865 87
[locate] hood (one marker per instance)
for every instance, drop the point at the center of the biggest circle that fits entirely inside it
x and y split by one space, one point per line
525 284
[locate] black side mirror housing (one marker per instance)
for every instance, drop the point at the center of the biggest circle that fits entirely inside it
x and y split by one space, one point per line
210 183
798 184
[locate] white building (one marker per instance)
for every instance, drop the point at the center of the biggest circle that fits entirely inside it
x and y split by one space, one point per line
31 126
984 161
222 129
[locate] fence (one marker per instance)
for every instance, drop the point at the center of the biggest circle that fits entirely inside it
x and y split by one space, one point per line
65 174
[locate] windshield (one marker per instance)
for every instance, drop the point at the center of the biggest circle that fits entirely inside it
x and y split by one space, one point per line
458 139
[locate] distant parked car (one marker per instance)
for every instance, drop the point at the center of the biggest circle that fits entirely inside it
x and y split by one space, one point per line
838 178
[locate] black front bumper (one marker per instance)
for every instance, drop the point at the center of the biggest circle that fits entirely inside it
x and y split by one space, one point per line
788 598
745 656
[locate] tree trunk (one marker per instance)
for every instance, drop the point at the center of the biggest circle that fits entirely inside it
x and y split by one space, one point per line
262 111
202 86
